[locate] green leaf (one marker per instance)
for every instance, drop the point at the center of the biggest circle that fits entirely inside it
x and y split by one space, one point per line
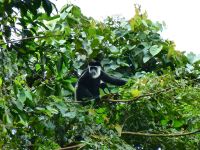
1 81
52 110
100 38
101 110
67 30
154 50
62 108
49 111
23 121
114 49
63 15
68 8
8 118
135 93
118 128
61 42
146 58
21 96
60 65
76 12
178 123
19 105
2 103
37 67
164 122
95 43
91 32
192 58
28 95
70 115
69 86
144 23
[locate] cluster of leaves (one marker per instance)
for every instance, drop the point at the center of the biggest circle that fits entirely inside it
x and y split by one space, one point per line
41 55
161 104
157 104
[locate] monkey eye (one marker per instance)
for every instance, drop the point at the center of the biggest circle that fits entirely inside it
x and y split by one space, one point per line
93 67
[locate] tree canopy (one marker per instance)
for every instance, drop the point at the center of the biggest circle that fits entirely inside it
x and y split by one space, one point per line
42 53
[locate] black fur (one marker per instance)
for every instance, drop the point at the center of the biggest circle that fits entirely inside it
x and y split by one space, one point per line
88 87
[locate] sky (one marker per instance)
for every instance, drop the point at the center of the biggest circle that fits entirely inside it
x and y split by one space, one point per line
182 17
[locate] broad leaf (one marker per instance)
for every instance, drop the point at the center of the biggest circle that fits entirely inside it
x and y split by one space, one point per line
154 50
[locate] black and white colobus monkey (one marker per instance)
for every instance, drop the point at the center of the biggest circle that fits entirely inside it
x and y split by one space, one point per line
90 81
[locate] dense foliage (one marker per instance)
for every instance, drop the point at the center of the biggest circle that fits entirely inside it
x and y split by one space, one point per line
43 51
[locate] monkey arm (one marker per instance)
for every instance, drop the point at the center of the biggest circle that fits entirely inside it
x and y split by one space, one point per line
84 75
112 80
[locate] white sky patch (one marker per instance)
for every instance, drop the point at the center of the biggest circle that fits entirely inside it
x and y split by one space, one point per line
180 16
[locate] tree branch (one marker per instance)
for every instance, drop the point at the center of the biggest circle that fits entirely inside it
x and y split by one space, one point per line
28 38
82 101
160 135
145 95
131 100
72 147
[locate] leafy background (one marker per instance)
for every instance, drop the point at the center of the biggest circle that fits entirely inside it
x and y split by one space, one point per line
42 52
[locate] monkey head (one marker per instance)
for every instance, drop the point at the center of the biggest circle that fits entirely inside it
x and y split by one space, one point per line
94 69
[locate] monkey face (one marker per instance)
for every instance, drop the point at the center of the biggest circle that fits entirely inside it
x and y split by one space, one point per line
94 71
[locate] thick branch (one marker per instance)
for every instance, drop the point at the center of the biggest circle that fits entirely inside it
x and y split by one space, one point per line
160 135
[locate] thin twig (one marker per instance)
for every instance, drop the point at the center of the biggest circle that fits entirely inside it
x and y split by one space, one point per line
160 135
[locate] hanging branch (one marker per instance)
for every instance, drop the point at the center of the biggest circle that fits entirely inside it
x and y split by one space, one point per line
161 135
28 38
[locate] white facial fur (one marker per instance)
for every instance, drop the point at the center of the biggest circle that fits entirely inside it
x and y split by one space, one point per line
95 73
